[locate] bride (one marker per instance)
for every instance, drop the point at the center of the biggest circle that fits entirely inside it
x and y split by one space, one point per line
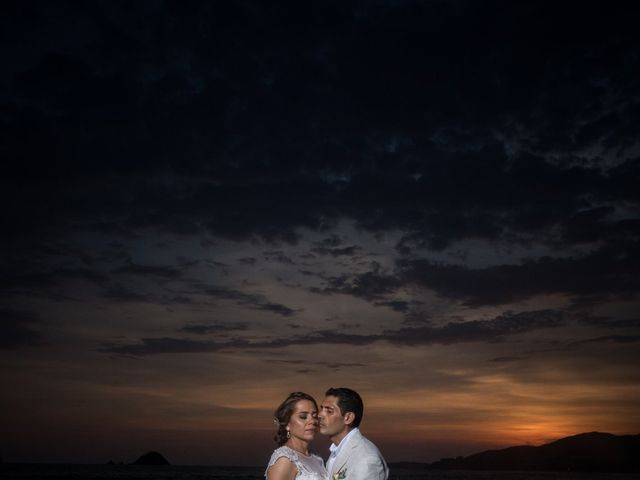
297 422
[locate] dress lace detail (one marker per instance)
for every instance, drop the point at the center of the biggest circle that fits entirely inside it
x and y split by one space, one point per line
309 468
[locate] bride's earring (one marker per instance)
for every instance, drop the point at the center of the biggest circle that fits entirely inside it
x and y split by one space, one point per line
288 434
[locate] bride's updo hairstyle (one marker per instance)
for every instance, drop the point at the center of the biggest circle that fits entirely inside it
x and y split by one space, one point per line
283 414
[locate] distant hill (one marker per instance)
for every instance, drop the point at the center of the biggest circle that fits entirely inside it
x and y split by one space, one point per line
586 452
151 458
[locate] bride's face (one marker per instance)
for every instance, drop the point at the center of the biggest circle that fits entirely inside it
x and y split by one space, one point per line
303 423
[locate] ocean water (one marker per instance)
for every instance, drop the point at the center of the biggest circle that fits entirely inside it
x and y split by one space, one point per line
136 472
126 472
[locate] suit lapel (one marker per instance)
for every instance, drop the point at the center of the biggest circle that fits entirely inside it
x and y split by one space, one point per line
345 453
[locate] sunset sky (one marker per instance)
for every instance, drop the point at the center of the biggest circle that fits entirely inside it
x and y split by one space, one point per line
208 205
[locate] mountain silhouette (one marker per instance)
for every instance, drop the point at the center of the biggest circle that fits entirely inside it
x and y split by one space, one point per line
151 458
585 452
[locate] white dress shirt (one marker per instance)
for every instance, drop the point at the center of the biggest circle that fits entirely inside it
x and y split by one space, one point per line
335 449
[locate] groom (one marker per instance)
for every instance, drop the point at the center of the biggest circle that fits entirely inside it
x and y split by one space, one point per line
353 457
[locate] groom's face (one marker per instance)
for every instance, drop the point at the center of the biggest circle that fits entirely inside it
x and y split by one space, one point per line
331 420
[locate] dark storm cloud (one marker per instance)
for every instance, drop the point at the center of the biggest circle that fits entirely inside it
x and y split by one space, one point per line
256 301
278 256
213 328
176 299
450 333
610 339
437 121
396 305
35 279
339 366
627 323
609 270
276 308
371 285
36 276
155 346
329 337
122 293
247 260
211 119
478 330
318 365
613 269
16 328
150 270
473 331
333 241
338 252
505 359
608 322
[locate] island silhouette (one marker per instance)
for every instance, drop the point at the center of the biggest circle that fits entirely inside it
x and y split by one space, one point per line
151 458
585 452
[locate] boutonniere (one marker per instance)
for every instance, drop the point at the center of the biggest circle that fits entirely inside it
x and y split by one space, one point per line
341 475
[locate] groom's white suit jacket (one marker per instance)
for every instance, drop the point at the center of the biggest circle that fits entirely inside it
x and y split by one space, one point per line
360 459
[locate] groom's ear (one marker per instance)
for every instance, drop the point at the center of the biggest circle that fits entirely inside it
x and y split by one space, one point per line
349 417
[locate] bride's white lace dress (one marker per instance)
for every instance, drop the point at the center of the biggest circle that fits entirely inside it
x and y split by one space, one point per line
309 467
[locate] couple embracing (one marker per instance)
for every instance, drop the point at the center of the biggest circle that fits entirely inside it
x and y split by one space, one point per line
298 419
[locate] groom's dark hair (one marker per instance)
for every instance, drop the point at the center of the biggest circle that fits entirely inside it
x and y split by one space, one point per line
348 401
